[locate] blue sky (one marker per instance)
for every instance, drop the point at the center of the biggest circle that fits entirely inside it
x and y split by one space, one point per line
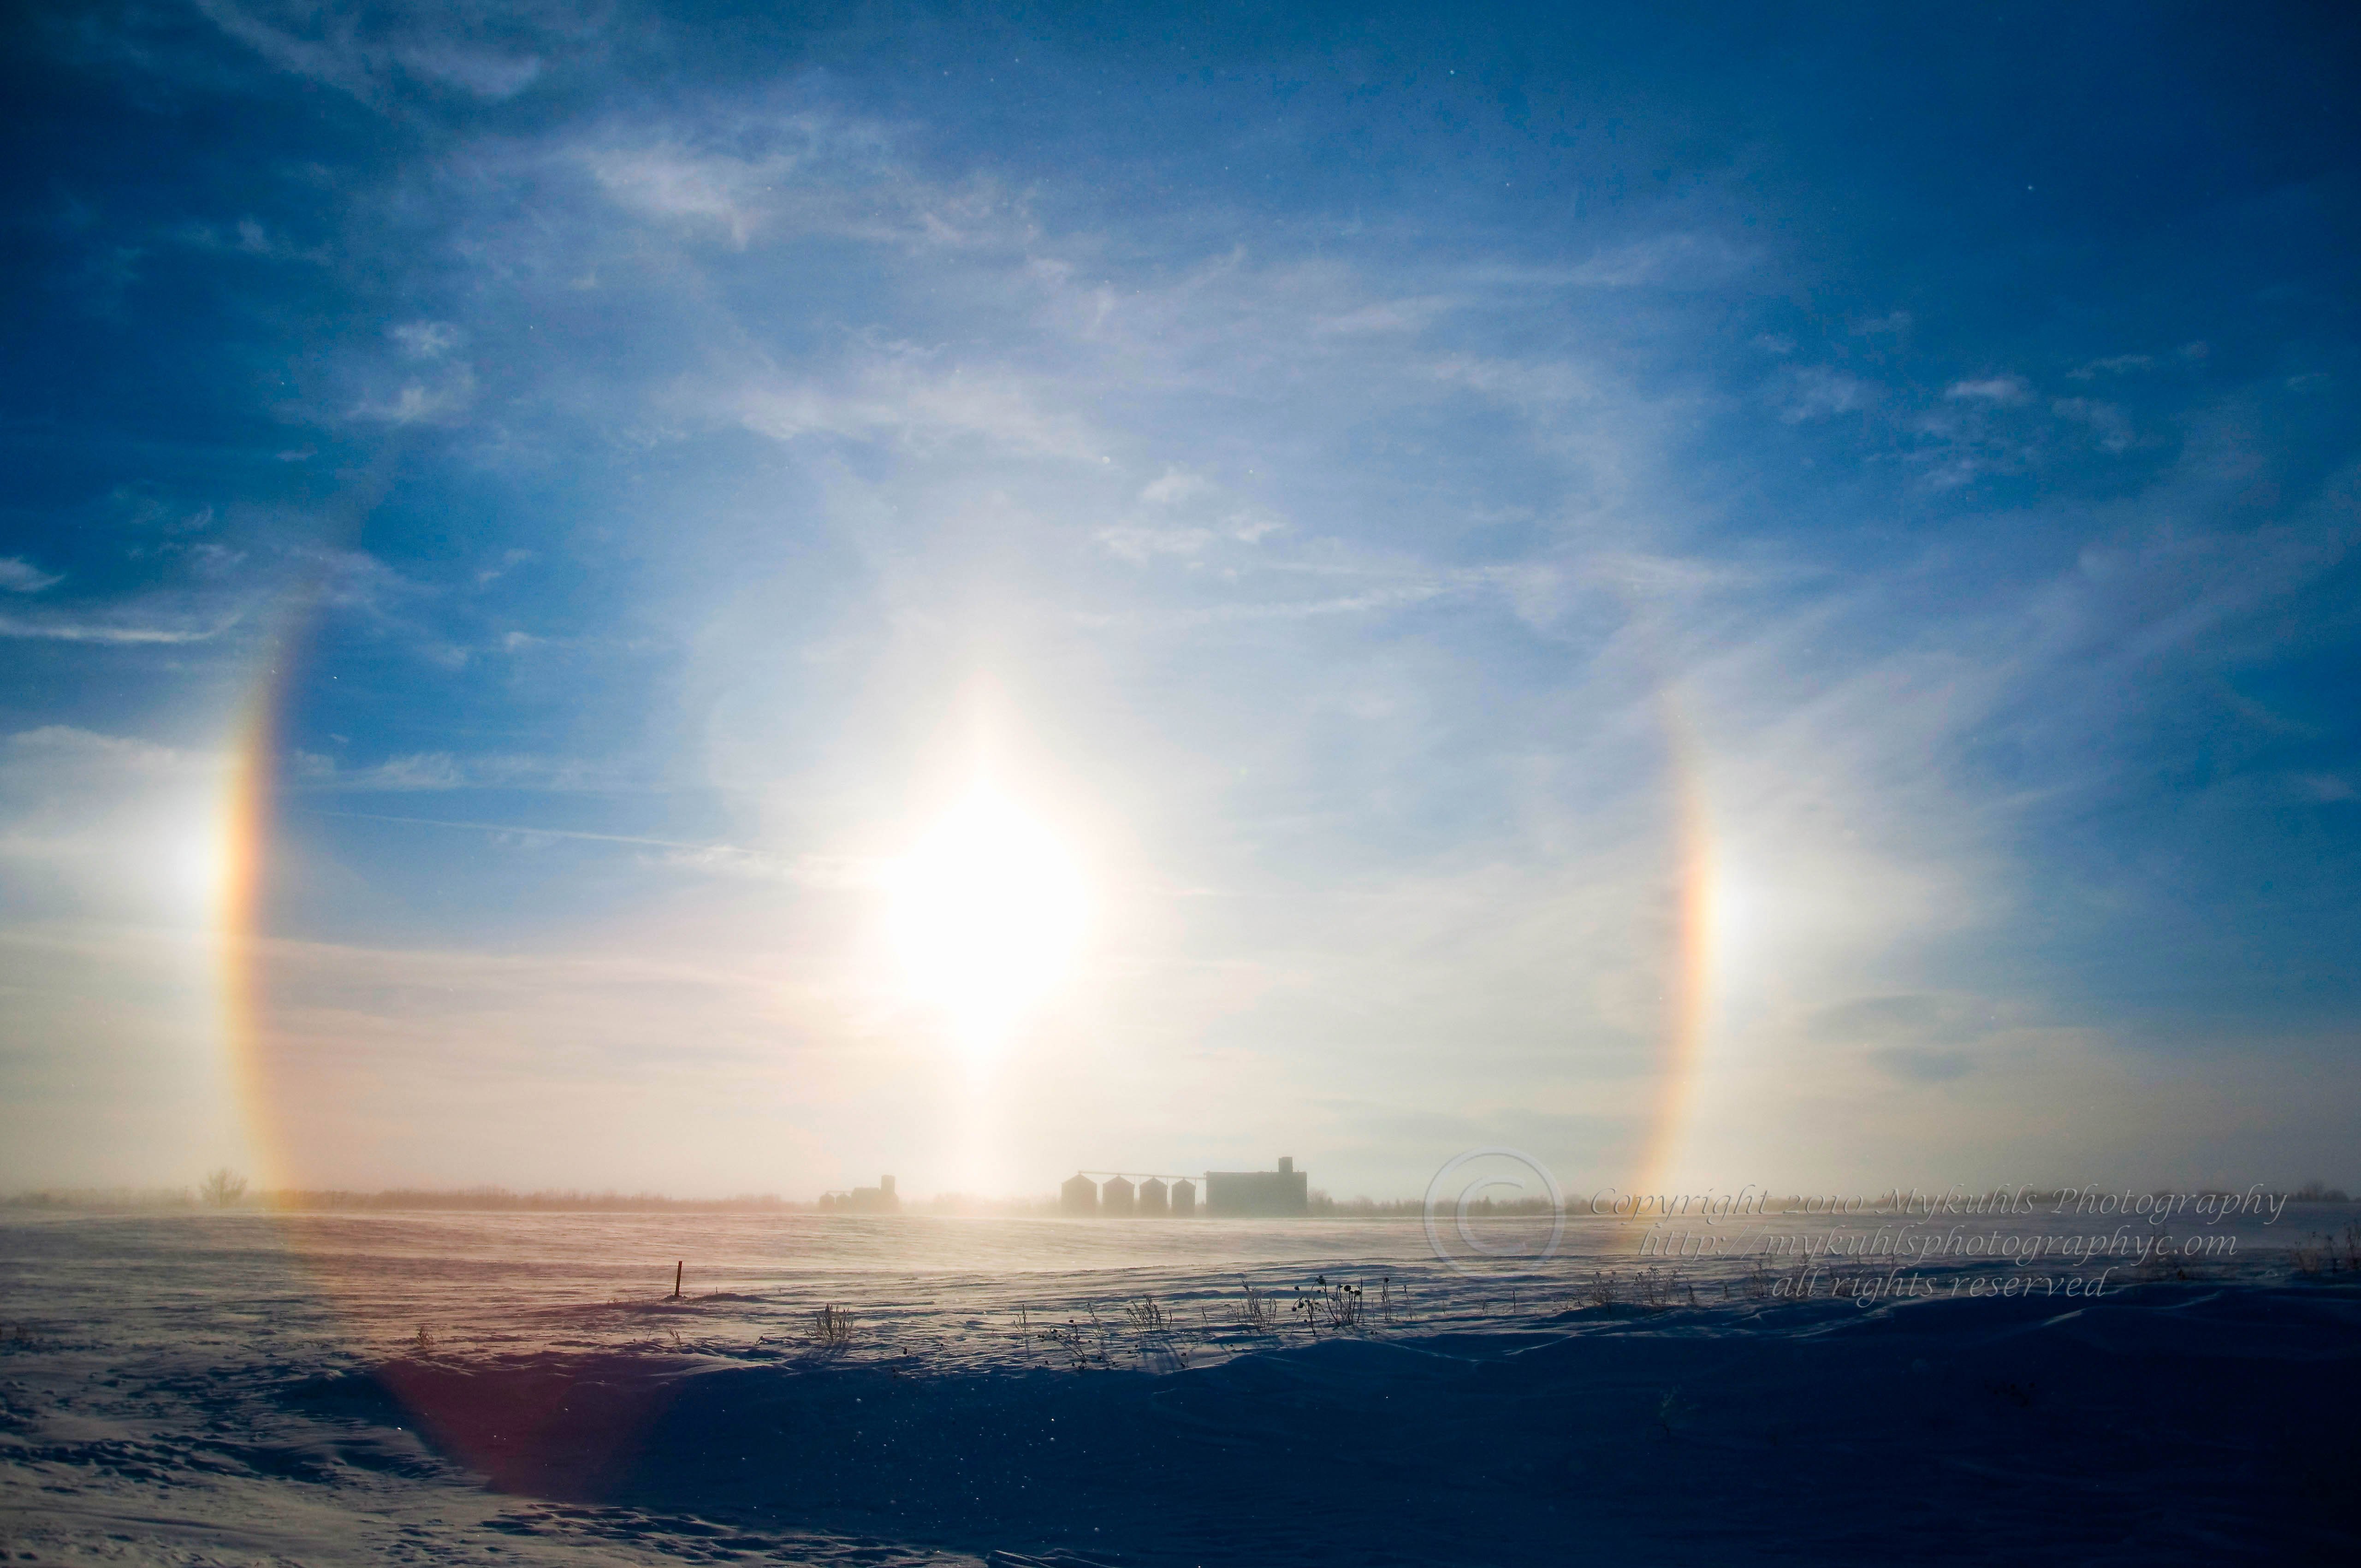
1364 477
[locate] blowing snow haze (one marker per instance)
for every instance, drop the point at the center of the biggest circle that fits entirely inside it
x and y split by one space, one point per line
724 600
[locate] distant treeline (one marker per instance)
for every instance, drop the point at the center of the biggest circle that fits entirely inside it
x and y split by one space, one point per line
501 1198
473 1198
1321 1207
127 1197
498 1199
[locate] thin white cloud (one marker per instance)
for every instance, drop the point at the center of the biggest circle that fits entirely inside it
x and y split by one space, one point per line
735 195
2108 423
419 771
482 74
828 872
905 398
120 628
509 562
1407 315
1817 392
839 178
1397 595
443 770
426 339
1172 487
1139 541
1530 386
2113 364
1682 259
60 748
2006 391
420 402
371 54
246 236
18 575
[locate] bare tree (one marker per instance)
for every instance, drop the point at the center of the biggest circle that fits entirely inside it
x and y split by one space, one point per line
222 1188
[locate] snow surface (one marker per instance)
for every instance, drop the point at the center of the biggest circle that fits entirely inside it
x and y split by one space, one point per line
515 1389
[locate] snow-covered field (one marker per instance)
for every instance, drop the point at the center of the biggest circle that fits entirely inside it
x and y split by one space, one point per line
516 1388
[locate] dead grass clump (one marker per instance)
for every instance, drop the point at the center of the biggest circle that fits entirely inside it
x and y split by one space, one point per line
1649 1289
834 1327
1154 1328
1659 1291
1084 1347
1257 1312
1337 1308
2317 1255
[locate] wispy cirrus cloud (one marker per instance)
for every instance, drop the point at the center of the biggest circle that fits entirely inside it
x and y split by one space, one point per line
123 626
435 772
481 52
912 397
1821 391
18 575
2007 391
825 175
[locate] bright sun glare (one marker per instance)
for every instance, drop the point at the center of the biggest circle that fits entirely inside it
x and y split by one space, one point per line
987 910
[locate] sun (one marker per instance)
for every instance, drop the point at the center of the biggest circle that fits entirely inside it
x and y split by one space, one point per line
987 910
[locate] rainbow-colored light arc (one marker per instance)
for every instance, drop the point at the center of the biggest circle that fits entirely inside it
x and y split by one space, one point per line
1695 960
249 802
248 807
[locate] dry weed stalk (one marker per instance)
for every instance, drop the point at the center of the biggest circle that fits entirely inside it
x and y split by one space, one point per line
1154 1325
1257 1312
834 1326
2317 1255
1649 1288
1077 1343
1334 1307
